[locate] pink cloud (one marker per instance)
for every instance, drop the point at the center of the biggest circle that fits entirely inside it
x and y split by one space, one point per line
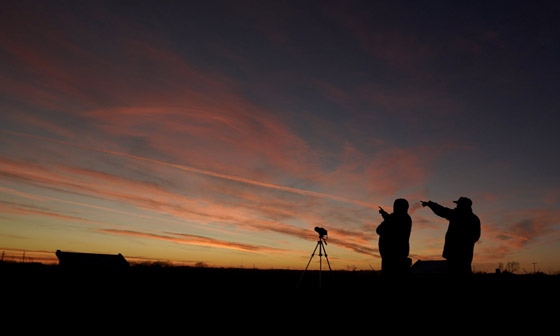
176 104
246 212
197 118
519 230
13 209
195 240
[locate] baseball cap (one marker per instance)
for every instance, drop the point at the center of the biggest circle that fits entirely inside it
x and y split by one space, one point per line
464 201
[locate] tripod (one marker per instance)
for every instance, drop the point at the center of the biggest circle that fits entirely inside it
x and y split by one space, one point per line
321 246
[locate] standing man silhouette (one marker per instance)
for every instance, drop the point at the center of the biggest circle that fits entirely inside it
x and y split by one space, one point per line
463 232
394 233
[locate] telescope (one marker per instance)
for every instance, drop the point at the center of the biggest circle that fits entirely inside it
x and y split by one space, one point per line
323 235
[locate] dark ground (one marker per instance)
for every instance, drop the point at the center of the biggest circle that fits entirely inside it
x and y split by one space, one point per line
182 299
225 298
149 278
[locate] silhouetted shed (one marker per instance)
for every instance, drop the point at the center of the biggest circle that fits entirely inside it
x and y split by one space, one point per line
91 260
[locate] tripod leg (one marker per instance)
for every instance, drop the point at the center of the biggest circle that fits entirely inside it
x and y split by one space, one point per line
320 262
327 257
312 255
328 262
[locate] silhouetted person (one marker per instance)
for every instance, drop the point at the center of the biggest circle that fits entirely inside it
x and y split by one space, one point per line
463 232
394 233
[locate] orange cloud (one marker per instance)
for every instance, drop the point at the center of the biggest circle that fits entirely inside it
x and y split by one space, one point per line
247 211
196 240
10 208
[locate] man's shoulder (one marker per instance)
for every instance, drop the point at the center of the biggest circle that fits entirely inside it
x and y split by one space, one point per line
475 217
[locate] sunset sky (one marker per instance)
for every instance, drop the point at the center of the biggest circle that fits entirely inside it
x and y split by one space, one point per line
223 132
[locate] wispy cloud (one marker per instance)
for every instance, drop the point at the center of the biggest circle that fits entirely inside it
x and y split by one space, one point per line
518 231
182 238
205 172
246 212
11 208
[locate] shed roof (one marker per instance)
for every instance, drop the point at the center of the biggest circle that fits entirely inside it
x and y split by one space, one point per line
79 259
